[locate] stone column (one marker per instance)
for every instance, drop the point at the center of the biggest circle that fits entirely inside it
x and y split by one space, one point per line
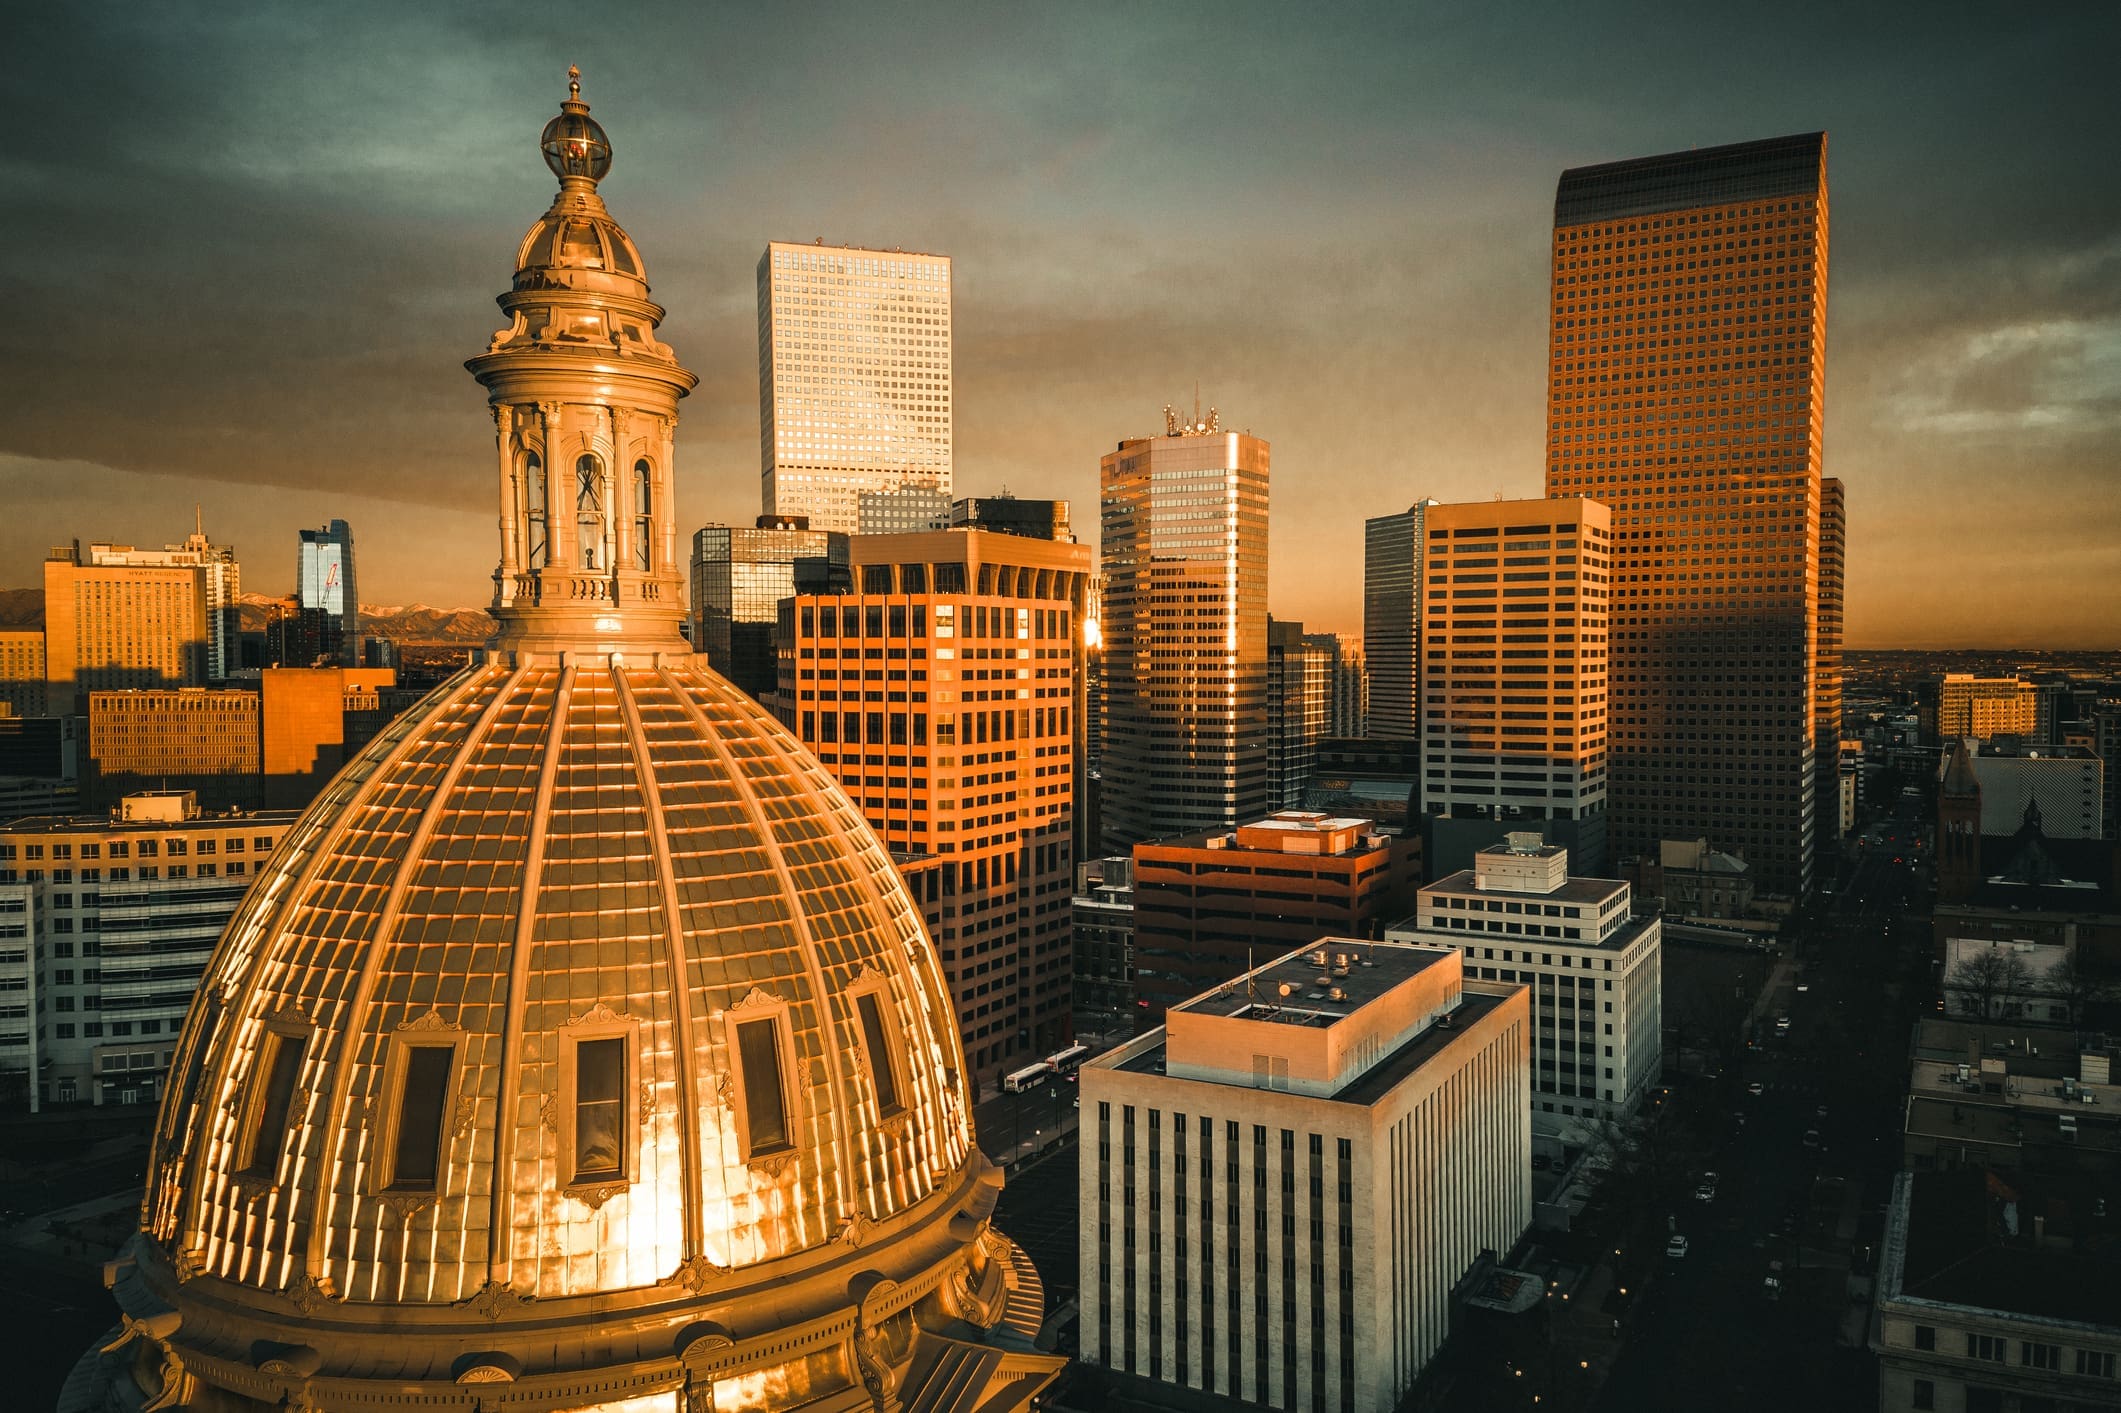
559 493
511 506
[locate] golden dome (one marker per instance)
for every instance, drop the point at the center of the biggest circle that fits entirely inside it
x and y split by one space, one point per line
581 1036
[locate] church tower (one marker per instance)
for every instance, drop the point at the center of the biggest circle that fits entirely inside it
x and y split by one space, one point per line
1958 828
584 400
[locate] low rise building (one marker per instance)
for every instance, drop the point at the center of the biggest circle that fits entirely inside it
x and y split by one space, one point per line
126 908
1103 908
1696 881
1595 968
1282 1185
1207 906
1995 1291
1983 1094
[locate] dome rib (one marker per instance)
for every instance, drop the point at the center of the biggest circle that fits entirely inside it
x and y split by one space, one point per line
798 919
500 1250
261 905
688 1072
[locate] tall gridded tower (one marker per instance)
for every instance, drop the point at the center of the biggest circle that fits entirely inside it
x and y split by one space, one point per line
854 378
1687 371
1184 554
1391 619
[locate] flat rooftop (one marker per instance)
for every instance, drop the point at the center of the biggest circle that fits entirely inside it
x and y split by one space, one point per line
1409 929
1379 1079
1297 991
1306 820
1576 890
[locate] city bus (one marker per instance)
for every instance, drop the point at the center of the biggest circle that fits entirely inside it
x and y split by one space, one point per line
1030 1076
1070 1060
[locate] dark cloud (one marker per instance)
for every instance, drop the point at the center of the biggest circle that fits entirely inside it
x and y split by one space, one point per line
255 243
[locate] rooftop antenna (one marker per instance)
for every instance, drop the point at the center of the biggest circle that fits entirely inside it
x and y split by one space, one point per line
1251 974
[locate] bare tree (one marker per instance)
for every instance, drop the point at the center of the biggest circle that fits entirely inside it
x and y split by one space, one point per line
2068 982
1985 981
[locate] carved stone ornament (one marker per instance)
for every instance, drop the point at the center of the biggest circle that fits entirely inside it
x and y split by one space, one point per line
725 1089
755 997
866 973
549 1113
895 1125
599 1014
427 1020
775 1164
595 1197
407 1204
466 1116
492 1300
309 1292
696 1272
647 1098
854 1230
190 1262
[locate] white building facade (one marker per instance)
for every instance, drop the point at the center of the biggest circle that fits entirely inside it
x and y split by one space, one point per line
123 912
854 378
1281 1186
1594 967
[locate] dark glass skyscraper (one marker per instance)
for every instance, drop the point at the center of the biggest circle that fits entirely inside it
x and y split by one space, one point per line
324 589
739 577
1687 371
1391 620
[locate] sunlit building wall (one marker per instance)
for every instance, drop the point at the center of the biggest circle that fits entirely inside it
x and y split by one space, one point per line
854 378
942 692
115 626
1685 386
220 581
21 672
1513 676
1184 555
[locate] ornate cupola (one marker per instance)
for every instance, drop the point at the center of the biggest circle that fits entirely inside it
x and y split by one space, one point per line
584 400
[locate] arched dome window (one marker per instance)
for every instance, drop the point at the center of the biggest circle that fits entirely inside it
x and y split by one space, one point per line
539 539
643 516
589 510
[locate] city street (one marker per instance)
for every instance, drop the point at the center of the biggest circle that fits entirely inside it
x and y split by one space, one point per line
1804 1170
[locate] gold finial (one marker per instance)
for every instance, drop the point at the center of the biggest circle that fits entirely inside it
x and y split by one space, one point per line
574 82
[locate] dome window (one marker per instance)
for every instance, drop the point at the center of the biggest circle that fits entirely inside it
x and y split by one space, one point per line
597 1092
419 1084
589 510
643 515
768 1125
537 546
272 1097
884 1059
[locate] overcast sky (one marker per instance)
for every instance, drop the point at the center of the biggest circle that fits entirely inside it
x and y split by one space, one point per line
251 246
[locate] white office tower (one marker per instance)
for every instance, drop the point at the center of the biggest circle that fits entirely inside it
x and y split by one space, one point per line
1282 1184
854 378
1595 967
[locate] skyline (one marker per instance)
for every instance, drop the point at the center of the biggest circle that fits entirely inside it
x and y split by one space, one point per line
1351 262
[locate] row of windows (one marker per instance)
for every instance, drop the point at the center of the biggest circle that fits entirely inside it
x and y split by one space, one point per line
592 524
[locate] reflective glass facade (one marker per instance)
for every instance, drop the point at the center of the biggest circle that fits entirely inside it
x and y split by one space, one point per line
739 577
1184 555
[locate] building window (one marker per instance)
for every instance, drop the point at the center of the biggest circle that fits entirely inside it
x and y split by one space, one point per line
1925 1394
2095 1363
2034 1355
643 516
764 1109
1989 1347
421 1078
589 511
599 1073
1925 1336
883 1058
534 550
271 1099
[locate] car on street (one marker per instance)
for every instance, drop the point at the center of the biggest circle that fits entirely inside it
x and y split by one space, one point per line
1811 1138
1771 1283
1706 1192
1756 1087
1676 1247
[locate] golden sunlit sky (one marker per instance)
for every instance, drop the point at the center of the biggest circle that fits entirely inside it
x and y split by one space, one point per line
253 245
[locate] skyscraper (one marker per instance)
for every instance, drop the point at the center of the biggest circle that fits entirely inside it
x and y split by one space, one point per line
220 580
1687 368
854 378
977 767
1391 620
1299 707
1513 677
1184 524
740 574
324 586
